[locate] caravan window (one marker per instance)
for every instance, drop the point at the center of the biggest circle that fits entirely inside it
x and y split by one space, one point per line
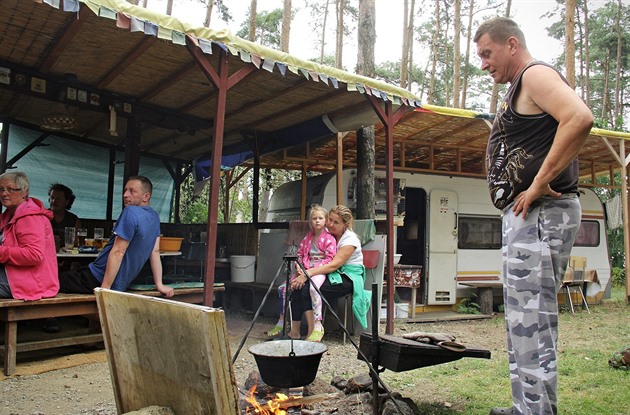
588 235
477 232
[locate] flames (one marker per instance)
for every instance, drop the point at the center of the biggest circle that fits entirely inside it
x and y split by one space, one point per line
272 407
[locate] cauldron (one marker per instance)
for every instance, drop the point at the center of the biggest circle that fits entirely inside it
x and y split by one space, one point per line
288 363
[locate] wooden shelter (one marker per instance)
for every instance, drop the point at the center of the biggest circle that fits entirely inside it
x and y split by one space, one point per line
109 72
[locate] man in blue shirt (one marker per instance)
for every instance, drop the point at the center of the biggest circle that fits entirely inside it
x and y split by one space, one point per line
135 239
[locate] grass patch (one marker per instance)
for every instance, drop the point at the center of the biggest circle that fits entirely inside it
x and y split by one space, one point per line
587 384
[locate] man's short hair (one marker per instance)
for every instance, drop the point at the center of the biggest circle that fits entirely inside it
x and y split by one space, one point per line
500 29
145 183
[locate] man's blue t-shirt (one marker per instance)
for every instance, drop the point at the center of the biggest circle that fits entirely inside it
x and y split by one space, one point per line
140 225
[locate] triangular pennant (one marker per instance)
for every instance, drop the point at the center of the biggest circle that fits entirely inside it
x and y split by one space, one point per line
222 46
70 5
178 38
361 88
304 72
107 13
351 86
323 78
268 65
233 50
314 76
368 90
335 83
206 46
123 21
136 25
246 56
52 3
282 68
164 33
150 29
256 60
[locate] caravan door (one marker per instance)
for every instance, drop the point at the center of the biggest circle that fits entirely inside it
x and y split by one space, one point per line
442 264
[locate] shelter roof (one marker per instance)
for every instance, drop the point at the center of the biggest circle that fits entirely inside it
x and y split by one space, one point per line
110 53
434 139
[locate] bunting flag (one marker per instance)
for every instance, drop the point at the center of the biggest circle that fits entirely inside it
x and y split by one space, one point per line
136 24
70 6
268 65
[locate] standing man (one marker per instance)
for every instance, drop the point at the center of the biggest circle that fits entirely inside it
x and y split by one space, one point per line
136 238
532 174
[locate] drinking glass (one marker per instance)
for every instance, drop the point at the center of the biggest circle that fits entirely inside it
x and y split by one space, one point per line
98 237
69 238
81 235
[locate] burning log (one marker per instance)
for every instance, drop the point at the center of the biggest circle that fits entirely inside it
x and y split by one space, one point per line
307 400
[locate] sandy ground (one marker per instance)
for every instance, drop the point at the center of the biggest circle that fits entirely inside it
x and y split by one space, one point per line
80 383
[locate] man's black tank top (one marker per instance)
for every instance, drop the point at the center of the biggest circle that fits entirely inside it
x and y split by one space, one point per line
518 146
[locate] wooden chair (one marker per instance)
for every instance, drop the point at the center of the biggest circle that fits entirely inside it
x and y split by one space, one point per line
575 277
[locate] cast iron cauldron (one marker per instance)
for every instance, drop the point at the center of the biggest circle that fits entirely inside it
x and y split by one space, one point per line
288 363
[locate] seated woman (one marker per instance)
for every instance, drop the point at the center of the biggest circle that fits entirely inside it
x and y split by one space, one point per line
345 273
28 261
61 198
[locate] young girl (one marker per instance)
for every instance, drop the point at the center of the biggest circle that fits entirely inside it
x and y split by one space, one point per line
317 248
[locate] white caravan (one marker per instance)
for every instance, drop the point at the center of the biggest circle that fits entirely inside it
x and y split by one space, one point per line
448 226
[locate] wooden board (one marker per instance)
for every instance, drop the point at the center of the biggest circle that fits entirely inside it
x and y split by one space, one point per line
167 353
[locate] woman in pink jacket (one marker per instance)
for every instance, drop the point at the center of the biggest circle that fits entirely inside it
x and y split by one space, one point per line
28 261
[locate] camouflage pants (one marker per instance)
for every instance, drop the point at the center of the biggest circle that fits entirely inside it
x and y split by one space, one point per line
535 255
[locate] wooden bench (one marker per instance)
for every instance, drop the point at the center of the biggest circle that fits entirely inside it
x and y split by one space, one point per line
485 296
63 305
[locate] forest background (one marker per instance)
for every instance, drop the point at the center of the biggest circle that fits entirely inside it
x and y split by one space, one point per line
426 46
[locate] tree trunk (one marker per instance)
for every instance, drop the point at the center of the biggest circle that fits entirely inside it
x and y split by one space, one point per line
495 87
251 33
457 30
587 56
206 22
323 39
569 42
366 35
618 121
365 137
404 59
581 53
341 7
365 173
169 7
434 53
467 58
286 27
412 11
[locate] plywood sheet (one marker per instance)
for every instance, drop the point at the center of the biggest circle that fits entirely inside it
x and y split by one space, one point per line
167 353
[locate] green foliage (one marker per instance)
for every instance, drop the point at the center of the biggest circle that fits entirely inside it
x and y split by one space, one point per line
468 306
267 28
615 237
618 276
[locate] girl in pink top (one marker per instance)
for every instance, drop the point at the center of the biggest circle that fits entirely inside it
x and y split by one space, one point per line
317 248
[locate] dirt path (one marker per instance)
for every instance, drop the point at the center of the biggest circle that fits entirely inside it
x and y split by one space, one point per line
80 383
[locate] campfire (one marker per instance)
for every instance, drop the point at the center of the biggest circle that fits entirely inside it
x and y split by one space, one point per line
268 400
271 407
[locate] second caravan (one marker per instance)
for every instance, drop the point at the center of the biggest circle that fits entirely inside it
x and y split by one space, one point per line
448 226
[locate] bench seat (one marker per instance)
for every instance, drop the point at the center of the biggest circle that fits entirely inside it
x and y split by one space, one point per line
63 305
